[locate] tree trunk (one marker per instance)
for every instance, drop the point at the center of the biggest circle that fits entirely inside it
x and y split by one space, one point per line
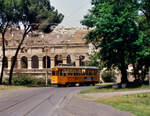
134 71
15 58
124 78
3 58
2 71
149 75
123 69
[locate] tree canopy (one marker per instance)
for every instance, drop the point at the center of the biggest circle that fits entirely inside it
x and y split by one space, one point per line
32 14
115 33
39 14
7 18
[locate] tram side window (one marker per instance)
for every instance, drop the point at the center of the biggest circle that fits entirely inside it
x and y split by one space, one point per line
87 72
64 72
79 72
95 72
92 72
60 73
83 72
74 72
70 72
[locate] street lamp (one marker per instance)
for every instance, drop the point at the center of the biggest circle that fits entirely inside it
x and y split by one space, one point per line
149 75
46 73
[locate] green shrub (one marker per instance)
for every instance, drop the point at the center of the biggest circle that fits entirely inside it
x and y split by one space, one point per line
109 76
28 81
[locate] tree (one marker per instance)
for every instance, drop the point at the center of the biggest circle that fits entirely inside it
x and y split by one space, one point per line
34 15
142 63
114 33
145 8
7 18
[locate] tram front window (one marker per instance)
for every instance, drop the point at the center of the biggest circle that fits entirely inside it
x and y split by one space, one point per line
53 73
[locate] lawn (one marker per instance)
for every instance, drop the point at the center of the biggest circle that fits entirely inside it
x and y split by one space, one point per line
8 87
138 104
109 88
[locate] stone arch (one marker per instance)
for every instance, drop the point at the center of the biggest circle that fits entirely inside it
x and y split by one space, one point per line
35 61
5 62
12 60
81 58
24 62
58 60
46 62
68 59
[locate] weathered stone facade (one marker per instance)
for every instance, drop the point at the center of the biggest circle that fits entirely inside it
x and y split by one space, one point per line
38 52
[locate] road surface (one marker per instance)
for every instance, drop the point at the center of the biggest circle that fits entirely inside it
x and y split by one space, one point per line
51 101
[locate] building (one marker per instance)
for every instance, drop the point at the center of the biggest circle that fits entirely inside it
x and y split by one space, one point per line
41 51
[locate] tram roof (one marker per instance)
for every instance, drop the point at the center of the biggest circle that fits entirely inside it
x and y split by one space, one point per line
77 67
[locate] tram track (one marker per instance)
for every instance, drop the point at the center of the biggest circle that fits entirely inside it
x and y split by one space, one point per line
7 108
32 109
17 102
38 102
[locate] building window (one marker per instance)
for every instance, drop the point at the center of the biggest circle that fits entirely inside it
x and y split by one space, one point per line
68 59
58 60
82 60
46 61
35 62
24 62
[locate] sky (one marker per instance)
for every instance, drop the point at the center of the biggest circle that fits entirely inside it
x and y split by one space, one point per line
73 10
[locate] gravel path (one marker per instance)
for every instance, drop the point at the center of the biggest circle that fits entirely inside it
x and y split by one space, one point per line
112 94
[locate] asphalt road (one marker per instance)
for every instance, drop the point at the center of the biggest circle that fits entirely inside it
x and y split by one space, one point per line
51 101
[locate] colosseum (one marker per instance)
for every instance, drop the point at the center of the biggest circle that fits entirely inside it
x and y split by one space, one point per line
43 51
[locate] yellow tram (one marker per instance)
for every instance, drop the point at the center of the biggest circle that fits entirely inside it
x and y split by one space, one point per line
69 75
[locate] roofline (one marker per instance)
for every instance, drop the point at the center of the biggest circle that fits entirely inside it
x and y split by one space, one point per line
85 67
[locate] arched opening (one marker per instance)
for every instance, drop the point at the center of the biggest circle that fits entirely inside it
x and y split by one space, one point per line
24 62
58 60
12 60
35 62
46 62
68 59
82 60
5 62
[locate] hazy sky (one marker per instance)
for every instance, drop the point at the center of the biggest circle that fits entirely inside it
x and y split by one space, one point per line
73 10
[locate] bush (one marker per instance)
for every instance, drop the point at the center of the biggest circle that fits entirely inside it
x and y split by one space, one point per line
109 76
28 81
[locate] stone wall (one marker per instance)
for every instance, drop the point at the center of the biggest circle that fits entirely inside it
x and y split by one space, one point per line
62 46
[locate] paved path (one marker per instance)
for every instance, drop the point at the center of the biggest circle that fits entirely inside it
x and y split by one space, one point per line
51 101
112 94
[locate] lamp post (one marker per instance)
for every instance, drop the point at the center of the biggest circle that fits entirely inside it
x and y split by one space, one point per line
149 76
46 67
46 73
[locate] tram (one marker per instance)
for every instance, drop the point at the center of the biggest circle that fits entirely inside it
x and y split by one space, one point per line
69 75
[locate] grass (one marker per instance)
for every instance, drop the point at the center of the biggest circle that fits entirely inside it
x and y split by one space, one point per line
8 87
138 104
104 84
108 88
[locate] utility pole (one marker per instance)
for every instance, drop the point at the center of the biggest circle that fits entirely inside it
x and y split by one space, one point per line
149 76
46 79
46 67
